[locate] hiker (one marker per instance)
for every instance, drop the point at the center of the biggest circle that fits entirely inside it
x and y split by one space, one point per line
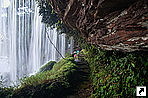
76 55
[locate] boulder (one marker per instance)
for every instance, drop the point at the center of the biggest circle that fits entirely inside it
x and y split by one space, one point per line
47 66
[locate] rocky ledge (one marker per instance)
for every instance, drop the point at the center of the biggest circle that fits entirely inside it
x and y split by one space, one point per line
108 24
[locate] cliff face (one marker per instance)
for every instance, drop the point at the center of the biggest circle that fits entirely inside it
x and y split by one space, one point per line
108 24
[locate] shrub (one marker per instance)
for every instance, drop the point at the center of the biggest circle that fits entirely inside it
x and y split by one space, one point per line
116 74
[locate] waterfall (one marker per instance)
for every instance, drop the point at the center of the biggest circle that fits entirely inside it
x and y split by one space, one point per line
24 43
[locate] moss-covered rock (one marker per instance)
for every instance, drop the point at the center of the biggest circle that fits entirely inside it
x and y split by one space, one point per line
47 66
55 83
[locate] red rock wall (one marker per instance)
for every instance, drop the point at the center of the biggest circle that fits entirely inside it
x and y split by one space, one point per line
109 24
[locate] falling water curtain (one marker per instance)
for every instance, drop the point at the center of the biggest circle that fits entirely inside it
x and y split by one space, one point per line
24 45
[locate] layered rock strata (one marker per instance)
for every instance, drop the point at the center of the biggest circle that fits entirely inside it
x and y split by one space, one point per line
108 24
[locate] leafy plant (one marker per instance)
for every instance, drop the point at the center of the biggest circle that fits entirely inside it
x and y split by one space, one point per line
52 20
114 73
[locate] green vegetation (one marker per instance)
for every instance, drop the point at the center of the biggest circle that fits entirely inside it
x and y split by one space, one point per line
48 15
6 92
116 74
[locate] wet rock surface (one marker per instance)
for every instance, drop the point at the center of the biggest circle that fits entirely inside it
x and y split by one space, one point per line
108 24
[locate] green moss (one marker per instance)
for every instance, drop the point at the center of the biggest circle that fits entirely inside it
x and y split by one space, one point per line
56 82
59 69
